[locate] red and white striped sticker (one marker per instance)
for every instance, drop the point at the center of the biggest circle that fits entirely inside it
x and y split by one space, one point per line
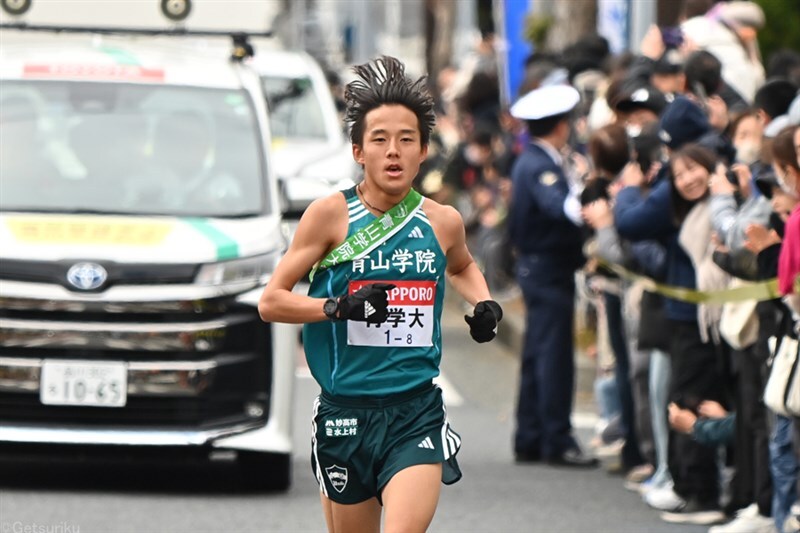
94 72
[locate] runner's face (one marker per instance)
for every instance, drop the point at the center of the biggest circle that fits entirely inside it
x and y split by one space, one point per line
391 150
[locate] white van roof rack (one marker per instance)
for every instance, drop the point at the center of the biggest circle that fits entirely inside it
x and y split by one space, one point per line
242 48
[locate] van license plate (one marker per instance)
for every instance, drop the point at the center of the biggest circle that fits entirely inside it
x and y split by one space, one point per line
85 383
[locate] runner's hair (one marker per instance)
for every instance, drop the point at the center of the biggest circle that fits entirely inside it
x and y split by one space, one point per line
384 82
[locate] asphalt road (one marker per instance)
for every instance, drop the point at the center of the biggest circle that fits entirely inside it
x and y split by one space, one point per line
495 495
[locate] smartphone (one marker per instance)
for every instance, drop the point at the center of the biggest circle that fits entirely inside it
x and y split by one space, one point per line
702 96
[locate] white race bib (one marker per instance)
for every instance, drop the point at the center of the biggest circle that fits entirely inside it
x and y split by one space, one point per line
410 319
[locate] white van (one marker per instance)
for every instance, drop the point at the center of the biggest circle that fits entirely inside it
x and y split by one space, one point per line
139 222
313 158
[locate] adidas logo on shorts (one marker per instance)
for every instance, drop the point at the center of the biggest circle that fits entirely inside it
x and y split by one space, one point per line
427 443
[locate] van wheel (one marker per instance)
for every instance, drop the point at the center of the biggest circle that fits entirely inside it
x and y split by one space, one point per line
265 471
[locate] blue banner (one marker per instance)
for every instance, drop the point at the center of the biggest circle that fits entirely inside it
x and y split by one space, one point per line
613 17
516 49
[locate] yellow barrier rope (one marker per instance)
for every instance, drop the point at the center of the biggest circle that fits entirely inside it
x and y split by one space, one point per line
764 290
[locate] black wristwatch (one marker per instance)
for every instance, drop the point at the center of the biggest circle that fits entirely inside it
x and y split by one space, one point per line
331 308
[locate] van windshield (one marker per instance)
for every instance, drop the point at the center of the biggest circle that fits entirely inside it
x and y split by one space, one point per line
129 148
295 112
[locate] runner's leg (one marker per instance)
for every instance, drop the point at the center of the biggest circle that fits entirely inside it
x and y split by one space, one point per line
410 498
364 517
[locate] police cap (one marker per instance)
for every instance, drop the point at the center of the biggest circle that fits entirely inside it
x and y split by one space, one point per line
546 102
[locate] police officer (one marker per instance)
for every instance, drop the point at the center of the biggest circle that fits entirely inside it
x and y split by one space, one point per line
544 227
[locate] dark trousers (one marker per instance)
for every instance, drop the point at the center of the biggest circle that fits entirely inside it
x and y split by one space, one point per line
548 369
640 385
695 377
752 481
622 372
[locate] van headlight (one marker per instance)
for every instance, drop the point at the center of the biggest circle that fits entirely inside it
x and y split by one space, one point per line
255 269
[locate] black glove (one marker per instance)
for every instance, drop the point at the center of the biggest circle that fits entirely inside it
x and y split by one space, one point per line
483 322
367 304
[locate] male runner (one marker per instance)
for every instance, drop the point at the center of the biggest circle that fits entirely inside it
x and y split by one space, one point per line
380 253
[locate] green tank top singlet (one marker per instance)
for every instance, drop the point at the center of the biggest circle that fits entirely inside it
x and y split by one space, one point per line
358 359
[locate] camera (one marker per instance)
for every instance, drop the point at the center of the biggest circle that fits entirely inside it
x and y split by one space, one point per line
731 176
690 401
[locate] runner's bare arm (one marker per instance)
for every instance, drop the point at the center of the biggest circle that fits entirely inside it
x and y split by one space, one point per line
322 226
462 271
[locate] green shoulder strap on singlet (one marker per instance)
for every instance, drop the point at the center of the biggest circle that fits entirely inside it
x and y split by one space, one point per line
373 234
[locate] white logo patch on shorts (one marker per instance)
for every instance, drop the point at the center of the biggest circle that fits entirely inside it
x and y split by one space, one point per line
337 476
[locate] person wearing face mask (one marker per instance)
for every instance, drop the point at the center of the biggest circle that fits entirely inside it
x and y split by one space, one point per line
736 204
783 203
786 164
746 135
781 257
763 240
466 167
638 106
745 132
735 201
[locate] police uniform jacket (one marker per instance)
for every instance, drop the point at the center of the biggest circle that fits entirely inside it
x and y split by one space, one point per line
538 225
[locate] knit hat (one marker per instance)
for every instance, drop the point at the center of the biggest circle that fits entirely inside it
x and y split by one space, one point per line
682 122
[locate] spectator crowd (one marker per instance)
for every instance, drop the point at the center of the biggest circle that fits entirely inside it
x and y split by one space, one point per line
686 161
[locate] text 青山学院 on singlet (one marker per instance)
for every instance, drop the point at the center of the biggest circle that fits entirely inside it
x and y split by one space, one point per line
349 358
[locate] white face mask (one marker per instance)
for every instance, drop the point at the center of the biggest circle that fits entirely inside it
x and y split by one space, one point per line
748 153
633 130
786 186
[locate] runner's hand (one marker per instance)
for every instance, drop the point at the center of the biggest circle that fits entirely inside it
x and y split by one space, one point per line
483 322
368 304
